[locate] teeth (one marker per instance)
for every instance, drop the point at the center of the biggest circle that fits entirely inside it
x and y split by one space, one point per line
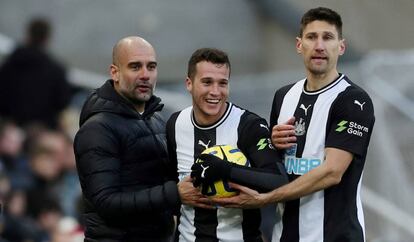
214 101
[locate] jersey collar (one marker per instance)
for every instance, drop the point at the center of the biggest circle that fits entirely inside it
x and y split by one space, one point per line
329 86
217 123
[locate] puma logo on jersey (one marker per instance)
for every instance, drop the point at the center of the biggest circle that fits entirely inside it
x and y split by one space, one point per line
203 173
305 108
361 105
264 126
200 142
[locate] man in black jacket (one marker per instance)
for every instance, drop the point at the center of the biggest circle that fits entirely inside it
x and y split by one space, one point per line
128 185
34 87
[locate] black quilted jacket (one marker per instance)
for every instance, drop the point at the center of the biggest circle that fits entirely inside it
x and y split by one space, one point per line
129 188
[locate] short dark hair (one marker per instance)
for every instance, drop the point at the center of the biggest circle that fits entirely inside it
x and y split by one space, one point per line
321 14
38 31
212 55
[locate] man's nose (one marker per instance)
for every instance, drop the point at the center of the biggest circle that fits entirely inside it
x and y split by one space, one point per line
214 90
320 44
144 75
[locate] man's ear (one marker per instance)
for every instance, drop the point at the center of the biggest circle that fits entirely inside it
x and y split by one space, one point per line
299 45
189 84
342 47
114 72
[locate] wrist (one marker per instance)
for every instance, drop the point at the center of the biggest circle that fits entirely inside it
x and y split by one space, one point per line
274 196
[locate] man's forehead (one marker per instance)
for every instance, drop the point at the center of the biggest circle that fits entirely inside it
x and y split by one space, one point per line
208 70
206 65
138 54
320 27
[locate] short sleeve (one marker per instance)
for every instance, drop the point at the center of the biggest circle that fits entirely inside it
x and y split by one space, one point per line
351 121
254 141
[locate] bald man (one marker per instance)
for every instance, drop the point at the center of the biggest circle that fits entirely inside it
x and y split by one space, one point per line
129 187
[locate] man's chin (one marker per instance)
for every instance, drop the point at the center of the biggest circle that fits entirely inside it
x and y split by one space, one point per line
141 99
318 71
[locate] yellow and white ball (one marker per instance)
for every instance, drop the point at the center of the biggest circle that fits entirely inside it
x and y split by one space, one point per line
226 153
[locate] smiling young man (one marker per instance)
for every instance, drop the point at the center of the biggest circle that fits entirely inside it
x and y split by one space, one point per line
321 126
213 120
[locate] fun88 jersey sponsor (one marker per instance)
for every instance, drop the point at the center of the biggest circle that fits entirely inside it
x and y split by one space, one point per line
341 116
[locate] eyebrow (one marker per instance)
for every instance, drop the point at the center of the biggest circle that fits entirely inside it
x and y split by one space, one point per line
212 79
324 32
132 63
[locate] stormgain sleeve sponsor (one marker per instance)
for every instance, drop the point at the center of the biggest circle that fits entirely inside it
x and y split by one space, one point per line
353 128
357 129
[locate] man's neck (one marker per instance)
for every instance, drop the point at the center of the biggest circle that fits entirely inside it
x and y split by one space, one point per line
318 81
139 106
207 120
140 109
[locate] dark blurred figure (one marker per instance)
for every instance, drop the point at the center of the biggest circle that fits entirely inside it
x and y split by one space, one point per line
12 160
34 88
17 226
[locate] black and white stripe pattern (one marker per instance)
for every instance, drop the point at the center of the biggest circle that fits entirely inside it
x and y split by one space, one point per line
221 224
316 217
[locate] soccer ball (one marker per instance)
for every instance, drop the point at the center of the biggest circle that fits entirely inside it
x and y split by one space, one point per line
226 153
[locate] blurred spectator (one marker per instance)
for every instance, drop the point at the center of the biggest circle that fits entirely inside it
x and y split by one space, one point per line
48 219
68 186
18 227
38 185
54 176
44 152
11 140
12 161
4 188
34 88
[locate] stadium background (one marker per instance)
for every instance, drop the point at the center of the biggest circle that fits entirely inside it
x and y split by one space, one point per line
259 37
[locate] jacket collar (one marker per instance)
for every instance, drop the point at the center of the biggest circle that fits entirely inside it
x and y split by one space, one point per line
107 91
106 99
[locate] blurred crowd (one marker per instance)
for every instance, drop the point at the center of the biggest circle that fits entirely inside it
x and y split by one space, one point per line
39 186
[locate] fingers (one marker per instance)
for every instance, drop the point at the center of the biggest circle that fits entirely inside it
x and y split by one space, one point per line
236 186
204 203
282 146
243 188
226 201
283 135
291 121
283 130
238 201
201 202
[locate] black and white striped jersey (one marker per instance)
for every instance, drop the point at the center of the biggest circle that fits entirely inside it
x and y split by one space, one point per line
340 115
186 140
